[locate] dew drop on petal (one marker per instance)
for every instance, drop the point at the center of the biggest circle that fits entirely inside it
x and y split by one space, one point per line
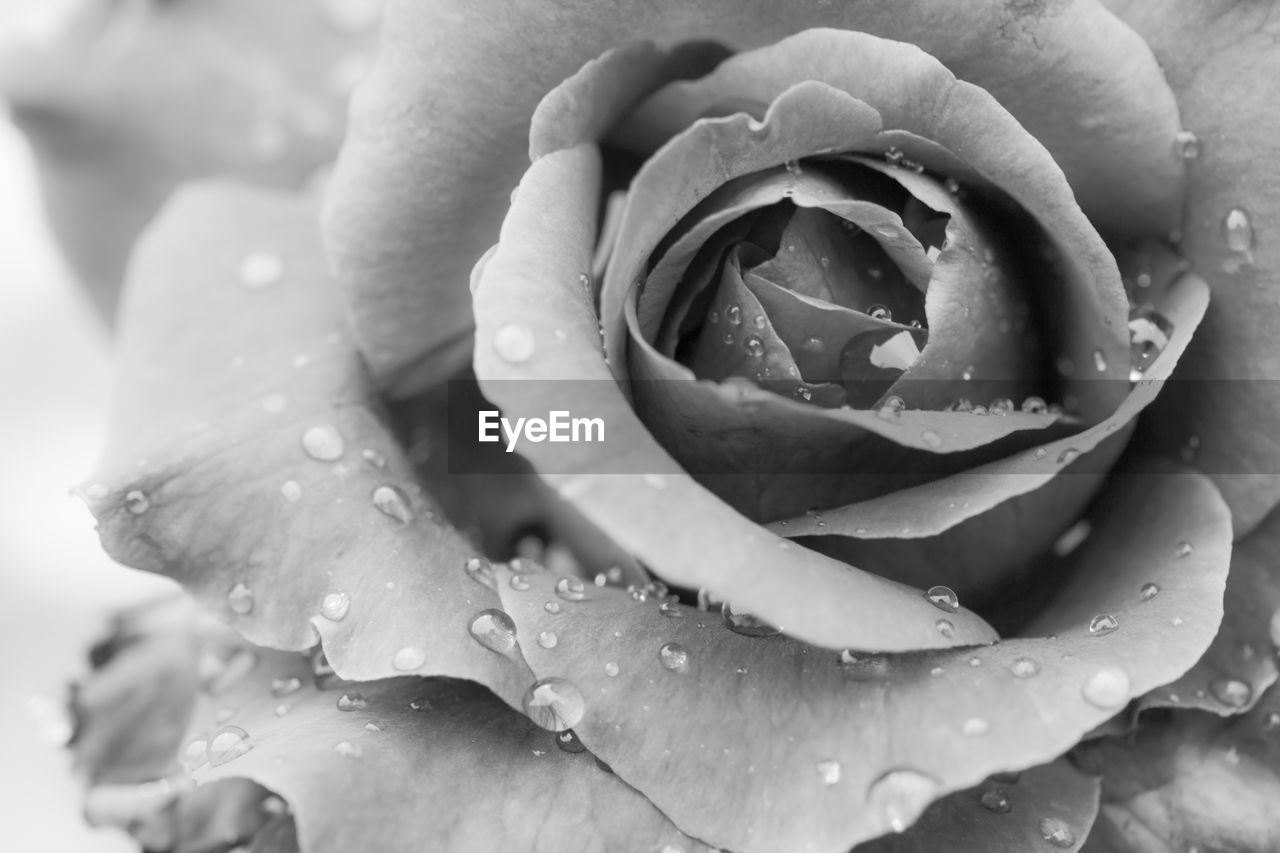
733 315
1057 833
568 741
259 270
880 312
943 598
352 702
829 771
291 490
570 588
1231 692
548 639
674 657
373 457
611 669
552 607
901 796
554 704
285 685
1103 624
945 628
1024 667
480 570
494 630
1186 144
347 749
746 624
1149 591
409 658
392 502
519 583
136 502
670 607
335 605
995 801
196 754
1184 549
1072 538
1099 361
323 443
753 346
1034 405
1237 230
514 343
227 744
1107 688
1068 456
240 599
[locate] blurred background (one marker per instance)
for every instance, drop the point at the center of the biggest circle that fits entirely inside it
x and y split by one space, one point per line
58 586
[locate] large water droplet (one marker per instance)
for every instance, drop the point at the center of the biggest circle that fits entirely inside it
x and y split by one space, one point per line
1107 688
480 570
519 582
943 598
494 630
995 801
335 605
514 343
1231 692
554 704
240 599
260 270
674 657
227 744
570 588
323 443
1237 230
1056 832
829 771
1103 624
1149 333
901 796
392 502
409 658
746 624
137 502
195 755
1186 144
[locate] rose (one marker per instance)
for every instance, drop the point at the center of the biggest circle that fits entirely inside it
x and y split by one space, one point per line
151 518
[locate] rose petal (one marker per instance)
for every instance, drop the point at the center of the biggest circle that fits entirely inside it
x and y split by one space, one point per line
248 457
1213 53
1002 814
1189 780
527 295
422 764
395 212
133 98
753 720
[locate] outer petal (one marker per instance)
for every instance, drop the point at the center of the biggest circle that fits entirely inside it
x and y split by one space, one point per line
1214 52
397 212
759 744
249 459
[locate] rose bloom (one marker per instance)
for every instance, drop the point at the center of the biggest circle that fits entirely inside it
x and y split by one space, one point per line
903 532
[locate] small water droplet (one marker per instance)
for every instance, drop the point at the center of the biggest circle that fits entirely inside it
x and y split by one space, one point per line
975 726
829 771
291 490
944 598
1186 144
373 457
1057 833
548 639
552 607
480 570
392 502
196 754
1099 361
967 373
554 704
733 315
1034 406
494 630
1237 230
674 657
1024 668
945 628
240 599
1103 624
891 407
137 502
519 583
901 796
803 393
347 749
1149 591
281 710
569 741
1107 688
570 588
514 343
260 270
285 685
323 443
880 312
746 624
1040 453
975 661
1184 549
611 669
335 605
670 607
1231 692
409 658
995 801
1072 538
227 744
352 702
1068 456
753 346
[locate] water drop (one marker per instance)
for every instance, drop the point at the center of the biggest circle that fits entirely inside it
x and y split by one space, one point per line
569 741
1024 668
323 443
1040 453
1034 406
1186 144
1107 688
227 744
519 583
1001 406
891 407
392 502
1057 833
893 156
1103 624
1099 361
352 702
1149 333
902 795
880 312
1149 591
1072 538
554 704
1184 549
480 570
1068 456
829 771
670 607
1237 230
548 639
494 630
285 685
347 749
373 457
945 628
733 315
552 607
335 605
1231 692
611 669
746 624
136 502
943 598
514 343
240 599
570 588
291 490
753 346
196 754
674 657
260 270
967 373
931 438
995 801
803 393
409 658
